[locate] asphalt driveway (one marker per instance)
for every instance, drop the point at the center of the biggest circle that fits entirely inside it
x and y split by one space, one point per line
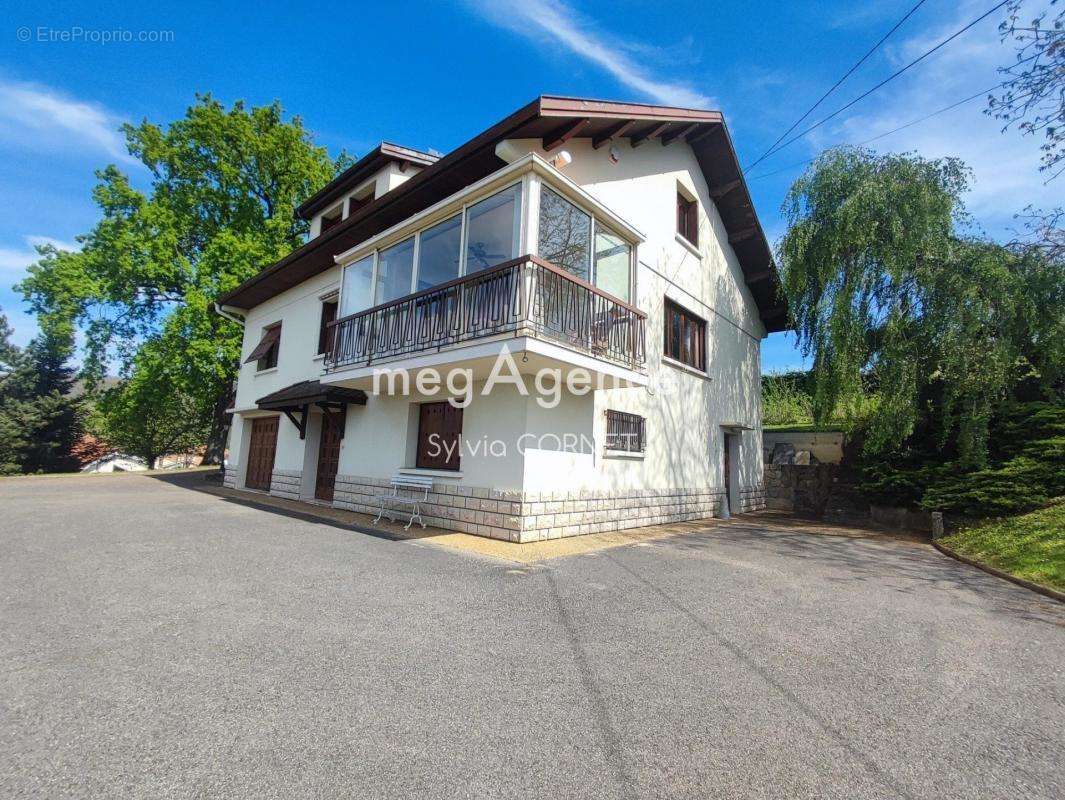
161 642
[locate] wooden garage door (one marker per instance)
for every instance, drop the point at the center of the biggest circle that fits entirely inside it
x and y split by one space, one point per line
261 453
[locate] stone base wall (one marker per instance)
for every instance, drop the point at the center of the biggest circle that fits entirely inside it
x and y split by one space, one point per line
286 483
485 512
752 498
553 515
534 516
229 480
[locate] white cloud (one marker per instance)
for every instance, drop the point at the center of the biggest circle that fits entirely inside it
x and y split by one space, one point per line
35 116
14 260
1005 165
557 22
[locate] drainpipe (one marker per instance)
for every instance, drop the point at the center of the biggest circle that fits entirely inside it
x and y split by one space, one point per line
222 312
237 318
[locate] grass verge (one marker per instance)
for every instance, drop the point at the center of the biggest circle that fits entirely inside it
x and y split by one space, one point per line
1029 546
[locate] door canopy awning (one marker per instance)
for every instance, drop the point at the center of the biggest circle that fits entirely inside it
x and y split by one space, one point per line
299 397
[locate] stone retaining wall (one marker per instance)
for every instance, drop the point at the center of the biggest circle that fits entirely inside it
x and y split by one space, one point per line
229 480
752 498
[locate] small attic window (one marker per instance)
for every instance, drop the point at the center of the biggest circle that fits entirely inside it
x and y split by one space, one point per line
687 216
331 217
360 199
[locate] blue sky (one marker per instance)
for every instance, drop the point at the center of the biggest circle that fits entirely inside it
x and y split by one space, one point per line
432 75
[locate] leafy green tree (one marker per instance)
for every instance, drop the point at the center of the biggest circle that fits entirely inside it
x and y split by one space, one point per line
150 414
40 421
224 187
883 288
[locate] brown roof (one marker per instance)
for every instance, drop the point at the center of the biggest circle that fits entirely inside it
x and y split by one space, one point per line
308 393
555 120
383 154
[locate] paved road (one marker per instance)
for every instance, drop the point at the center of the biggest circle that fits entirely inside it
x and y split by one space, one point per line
161 642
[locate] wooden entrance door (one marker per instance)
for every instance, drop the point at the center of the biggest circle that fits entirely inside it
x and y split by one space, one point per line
328 455
261 453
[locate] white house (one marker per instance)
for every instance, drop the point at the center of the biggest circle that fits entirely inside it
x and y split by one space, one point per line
613 246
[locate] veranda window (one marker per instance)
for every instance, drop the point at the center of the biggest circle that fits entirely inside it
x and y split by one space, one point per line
565 234
579 243
395 271
493 230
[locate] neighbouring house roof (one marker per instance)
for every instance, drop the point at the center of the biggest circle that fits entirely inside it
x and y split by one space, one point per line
114 456
380 156
555 120
307 393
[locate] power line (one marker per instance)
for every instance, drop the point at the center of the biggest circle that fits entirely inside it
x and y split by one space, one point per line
952 106
890 78
837 84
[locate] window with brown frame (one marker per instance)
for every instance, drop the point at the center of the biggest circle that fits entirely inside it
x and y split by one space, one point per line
685 336
688 218
439 436
265 353
326 331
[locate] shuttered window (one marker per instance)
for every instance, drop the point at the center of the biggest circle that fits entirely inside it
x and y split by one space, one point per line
439 435
265 353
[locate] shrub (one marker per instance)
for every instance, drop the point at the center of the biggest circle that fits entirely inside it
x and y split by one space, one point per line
1026 471
785 400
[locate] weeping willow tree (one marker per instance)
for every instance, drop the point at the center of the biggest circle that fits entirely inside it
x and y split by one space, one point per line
884 291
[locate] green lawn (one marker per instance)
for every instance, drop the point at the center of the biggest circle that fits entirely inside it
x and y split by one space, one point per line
1030 546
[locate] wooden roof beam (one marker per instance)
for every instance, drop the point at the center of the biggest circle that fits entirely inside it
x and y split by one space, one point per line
717 192
742 235
611 134
709 130
757 277
673 135
653 133
560 136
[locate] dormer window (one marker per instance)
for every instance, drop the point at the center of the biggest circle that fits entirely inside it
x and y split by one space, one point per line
331 218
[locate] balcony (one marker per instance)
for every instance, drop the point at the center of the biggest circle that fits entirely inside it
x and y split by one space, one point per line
523 299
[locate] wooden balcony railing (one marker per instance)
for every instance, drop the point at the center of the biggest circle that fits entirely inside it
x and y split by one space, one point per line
525 296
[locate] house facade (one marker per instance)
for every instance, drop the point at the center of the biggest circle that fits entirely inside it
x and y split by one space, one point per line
559 322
